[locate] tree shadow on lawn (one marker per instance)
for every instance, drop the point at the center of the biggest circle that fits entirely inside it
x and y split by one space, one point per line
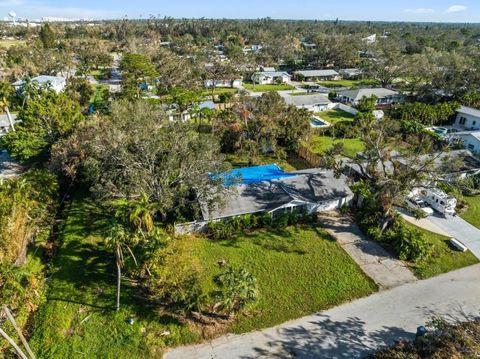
327 338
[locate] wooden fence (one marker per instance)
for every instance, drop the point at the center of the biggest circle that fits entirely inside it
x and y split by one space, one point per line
312 158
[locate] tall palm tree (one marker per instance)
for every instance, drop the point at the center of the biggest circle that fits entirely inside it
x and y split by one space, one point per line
6 91
118 240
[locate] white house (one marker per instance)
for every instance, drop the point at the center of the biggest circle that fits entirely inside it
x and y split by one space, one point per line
5 126
470 139
187 115
467 119
314 103
312 75
270 77
56 83
350 73
384 96
224 83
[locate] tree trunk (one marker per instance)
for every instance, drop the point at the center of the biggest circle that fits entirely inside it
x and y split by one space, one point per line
9 118
119 277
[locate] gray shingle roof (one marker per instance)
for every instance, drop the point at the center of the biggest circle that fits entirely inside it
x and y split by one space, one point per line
311 186
358 94
4 122
317 73
273 73
306 100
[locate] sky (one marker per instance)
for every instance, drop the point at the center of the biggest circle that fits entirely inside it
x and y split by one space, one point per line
375 10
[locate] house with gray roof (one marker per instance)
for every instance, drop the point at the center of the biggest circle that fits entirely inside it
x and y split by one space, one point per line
384 96
467 118
314 75
271 77
351 73
314 103
56 83
311 191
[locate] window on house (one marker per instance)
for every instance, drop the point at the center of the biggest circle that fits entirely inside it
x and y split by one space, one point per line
462 120
471 147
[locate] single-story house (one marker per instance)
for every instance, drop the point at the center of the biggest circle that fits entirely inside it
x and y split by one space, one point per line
266 69
384 96
56 83
470 139
270 77
467 119
314 103
225 83
312 75
175 115
369 40
311 191
350 73
5 125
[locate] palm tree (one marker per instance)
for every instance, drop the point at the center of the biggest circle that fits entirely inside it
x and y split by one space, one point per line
118 239
29 89
6 91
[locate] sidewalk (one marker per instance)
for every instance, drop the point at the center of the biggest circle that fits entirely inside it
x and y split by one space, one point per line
377 263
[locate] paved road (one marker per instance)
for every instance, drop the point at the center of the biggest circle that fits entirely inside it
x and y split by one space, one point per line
376 262
354 329
460 229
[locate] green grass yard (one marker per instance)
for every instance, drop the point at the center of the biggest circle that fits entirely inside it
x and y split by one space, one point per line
472 214
291 163
266 88
320 144
348 83
8 43
443 259
336 115
299 271
79 320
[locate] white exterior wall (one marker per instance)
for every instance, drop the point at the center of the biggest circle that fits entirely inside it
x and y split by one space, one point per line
470 121
471 143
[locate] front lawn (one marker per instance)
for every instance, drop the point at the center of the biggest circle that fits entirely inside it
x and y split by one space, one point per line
266 88
5 44
351 146
472 214
349 83
299 271
79 318
443 259
335 115
219 90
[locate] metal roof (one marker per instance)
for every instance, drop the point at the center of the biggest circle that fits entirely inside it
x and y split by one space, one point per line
4 122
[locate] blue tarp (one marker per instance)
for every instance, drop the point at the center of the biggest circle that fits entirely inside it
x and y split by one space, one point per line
255 174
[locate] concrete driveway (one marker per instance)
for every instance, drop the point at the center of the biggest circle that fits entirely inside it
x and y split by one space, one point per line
355 329
460 229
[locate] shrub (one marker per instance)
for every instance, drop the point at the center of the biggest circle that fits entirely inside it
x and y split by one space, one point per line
239 288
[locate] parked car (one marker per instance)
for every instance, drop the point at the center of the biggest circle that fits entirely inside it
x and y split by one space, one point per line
418 203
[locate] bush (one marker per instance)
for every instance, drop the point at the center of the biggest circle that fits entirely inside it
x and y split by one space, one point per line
239 288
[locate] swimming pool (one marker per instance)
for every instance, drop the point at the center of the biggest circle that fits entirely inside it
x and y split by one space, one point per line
255 174
316 122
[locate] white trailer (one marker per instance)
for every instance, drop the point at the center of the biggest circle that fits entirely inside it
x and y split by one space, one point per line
440 201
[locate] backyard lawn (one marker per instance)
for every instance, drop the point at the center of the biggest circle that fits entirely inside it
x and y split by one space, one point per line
335 115
265 88
351 146
348 83
444 258
79 319
299 271
291 163
472 214
8 43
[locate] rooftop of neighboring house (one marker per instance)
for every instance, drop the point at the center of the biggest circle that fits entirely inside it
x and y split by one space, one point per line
316 73
358 94
306 100
273 73
469 111
42 79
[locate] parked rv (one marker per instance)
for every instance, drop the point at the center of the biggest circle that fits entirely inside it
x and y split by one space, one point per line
440 201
